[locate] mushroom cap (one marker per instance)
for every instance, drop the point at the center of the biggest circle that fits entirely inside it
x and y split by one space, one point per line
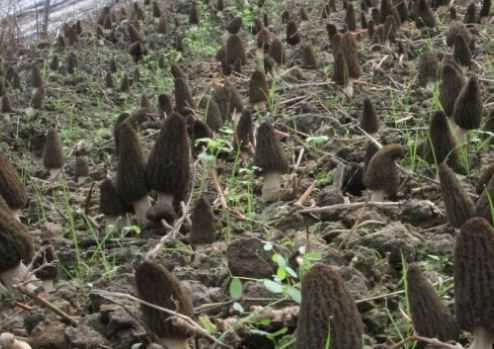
11 187
277 51
459 207
53 151
428 68
369 122
244 133
292 34
110 203
183 98
462 52
350 50
430 317
223 97
452 83
168 168
269 153
443 142
36 79
424 13
484 179
341 75
214 118
15 242
457 29
350 20
467 111
327 305
234 51
474 275
203 227
382 173
165 104
158 286
258 88
235 98
471 14
131 174
309 60
235 25
483 204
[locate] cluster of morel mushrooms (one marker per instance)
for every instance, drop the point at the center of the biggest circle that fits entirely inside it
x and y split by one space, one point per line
154 189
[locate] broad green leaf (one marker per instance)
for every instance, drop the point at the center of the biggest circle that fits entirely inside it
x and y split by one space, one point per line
236 288
273 286
295 294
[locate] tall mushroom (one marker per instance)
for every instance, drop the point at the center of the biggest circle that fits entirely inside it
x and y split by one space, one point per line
327 312
474 281
168 168
203 228
271 159
158 286
131 175
467 111
53 153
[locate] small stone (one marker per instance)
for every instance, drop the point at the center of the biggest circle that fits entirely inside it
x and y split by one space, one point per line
247 258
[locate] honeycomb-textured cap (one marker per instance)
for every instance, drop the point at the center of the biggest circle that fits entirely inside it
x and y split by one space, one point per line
53 151
11 187
131 178
328 310
158 286
459 207
15 242
467 111
474 275
451 85
430 317
269 153
381 173
203 223
168 168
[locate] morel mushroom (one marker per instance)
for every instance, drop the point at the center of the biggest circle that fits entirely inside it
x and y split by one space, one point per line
430 317
474 280
131 175
203 229
459 207
158 286
382 176
271 159
328 310
369 122
16 249
11 187
168 168
467 111
53 153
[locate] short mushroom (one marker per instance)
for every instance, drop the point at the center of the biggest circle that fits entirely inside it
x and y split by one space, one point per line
271 160
382 176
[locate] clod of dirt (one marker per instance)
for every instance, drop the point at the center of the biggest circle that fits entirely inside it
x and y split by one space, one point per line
49 334
84 337
247 257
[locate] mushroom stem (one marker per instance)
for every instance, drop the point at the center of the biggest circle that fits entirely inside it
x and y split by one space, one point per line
8 341
141 207
17 214
482 339
175 343
271 188
377 196
54 173
17 274
348 89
